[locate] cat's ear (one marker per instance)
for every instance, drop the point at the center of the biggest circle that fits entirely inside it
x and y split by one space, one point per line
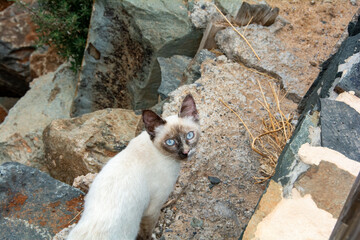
151 121
188 108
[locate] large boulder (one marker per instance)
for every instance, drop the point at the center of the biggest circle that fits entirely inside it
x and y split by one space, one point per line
49 98
77 146
120 67
17 42
34 205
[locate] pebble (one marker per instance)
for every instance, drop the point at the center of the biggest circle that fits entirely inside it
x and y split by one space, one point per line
247 213
196 223
214 180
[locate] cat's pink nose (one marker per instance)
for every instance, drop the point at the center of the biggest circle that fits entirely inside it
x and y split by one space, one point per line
185 152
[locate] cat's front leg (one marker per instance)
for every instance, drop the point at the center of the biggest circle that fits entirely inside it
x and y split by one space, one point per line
147 226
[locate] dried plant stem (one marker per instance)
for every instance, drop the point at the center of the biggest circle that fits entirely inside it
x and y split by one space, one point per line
76 216
247 25
247 129
247 42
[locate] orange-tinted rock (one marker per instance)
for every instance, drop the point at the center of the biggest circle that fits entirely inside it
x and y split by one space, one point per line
269 201
44 61
34 205
77 146
328 186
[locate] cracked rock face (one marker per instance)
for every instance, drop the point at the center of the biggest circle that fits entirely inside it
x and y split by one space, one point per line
17 42
120 67
77 146
49 98
276 61
34 205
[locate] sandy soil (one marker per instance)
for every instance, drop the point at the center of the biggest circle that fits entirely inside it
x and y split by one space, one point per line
315 28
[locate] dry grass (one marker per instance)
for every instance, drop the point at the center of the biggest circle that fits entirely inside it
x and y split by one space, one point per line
275 131
241 35
276 128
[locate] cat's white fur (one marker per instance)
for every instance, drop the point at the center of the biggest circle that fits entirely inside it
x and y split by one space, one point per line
133 184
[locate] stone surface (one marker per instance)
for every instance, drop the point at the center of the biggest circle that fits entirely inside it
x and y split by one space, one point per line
34 205
203 13
16 45
84 182
328 186
223 151
49 98
214 180
43 61
296 218
271 197
288 167
350 79
313 155
77 146
193 70
256 13
230 7
324 83
172 70
120 67
270 50
350 99
340 128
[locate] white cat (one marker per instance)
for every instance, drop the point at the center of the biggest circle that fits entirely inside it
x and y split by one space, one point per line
125 198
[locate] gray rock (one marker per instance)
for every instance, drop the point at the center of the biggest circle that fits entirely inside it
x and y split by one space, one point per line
230 7
196 223
350 79
120 67
49 98
340 128
172 70
34 205
270 50
289 167
193 70
204 13
324 83
214 180
16 45
77 146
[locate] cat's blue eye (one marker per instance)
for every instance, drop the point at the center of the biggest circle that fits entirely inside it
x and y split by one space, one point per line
170 142
190 135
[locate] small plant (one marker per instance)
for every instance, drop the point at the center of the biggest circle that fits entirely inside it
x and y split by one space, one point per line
62 24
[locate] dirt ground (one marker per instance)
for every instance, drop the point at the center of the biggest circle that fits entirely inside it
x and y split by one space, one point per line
315 28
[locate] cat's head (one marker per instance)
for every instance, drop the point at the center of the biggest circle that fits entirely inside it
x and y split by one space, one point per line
175 136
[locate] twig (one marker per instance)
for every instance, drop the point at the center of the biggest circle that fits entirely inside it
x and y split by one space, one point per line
247 25
76 216
252 137
237 32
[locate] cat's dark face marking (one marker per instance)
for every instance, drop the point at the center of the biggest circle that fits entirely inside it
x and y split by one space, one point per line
183 139
175 136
